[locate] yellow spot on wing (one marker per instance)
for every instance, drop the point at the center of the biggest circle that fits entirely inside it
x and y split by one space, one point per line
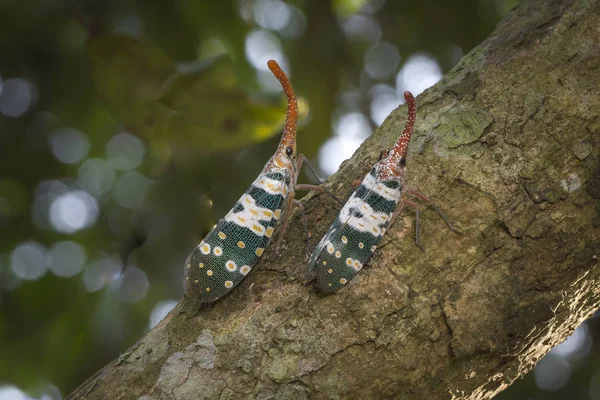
269 231
330 248
208 289
228 284
241 244
222 235
259 251
330 270
201 265
338 254
268 213
244 270
209 272
205 248
258 228
231 265
277 213
343 281
344 239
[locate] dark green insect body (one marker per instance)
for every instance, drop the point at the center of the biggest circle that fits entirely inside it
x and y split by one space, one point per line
234 245
356 232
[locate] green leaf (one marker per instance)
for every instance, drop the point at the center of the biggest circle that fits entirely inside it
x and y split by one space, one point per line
201 111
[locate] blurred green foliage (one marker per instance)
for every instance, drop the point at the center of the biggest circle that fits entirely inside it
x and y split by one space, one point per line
182 77
204 111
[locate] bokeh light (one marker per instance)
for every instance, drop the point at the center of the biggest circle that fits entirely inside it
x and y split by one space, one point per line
69 145
96 176
418 73
28 260
101 272
552 372
384 100
132 285
362 28
130 190
296 24
66 258
160 310
11 392
124 152
350 131
17 97
73 211
381 60
577 346
262 46
271 14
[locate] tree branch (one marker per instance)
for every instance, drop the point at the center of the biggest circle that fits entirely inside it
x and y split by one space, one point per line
508 145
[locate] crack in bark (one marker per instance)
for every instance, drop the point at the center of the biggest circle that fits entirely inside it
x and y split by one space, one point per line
447 324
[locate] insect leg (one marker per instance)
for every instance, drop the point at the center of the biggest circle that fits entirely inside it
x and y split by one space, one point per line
299 205
396 212
317 188
301 161
417 219
286 218
415 192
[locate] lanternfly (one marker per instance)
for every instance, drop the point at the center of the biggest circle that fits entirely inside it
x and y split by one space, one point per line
230 250
357 230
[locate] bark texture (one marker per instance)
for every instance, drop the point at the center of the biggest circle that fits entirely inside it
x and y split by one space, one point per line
508 145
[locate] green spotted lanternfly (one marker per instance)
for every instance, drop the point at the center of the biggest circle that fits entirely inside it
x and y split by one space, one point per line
371 209
230 250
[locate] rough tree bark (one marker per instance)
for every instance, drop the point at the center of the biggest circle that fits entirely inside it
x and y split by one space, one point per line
508 144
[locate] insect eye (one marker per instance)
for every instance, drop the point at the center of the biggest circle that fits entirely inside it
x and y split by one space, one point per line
403 161
289 151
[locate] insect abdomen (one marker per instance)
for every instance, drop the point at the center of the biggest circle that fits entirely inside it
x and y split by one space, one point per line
228 253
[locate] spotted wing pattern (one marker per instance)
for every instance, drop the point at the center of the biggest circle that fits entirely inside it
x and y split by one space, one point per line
230 250
356 232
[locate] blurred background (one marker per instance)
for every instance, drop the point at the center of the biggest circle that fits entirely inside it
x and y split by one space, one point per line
127 128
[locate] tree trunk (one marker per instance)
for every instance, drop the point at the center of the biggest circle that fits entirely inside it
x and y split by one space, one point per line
508 145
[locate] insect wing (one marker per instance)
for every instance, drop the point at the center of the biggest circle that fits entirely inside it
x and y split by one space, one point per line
355 233
228 253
